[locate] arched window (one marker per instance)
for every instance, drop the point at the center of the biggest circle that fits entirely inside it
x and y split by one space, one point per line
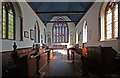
8 21
111 21
60 31
84 31
44 36
36 33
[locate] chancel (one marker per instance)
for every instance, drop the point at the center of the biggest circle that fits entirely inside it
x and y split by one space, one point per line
60 39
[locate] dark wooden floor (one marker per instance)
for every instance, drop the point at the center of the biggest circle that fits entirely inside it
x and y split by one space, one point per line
60 66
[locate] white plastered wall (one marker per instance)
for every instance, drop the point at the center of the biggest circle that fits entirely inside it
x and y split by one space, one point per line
92 18
92 22
29 19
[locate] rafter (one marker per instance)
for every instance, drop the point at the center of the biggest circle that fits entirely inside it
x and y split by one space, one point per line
63 12
58 21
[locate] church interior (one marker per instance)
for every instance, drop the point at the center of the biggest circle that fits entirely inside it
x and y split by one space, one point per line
60 39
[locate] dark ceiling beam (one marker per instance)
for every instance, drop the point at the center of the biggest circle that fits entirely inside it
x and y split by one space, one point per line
63 12
58 21
83 6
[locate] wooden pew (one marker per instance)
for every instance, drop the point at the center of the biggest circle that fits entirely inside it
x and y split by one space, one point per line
13 67
74 51
24 62
37 61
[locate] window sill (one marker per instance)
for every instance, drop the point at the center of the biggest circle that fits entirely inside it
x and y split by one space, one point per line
8 39
108 40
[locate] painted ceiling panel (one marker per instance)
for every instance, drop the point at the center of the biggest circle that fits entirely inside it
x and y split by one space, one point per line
47 10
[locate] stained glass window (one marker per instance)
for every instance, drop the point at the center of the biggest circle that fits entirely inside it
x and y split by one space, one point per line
111 21
36 33
8 21
3 21
116 21
10 24
44 36
109 24
60 31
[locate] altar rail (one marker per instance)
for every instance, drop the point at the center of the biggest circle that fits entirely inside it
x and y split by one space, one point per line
59 47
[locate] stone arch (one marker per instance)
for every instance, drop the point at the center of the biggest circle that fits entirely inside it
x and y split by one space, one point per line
18 21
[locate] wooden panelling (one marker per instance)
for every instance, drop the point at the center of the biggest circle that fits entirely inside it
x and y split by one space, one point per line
101 59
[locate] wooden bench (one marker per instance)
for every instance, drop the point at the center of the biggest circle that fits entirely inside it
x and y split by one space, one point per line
13 66
24 62
74 52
